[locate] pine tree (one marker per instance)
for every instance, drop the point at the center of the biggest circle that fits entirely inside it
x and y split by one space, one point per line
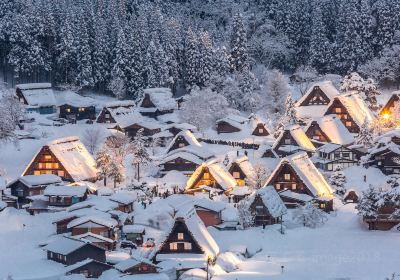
116 172
337 180
309 216
66 58
101 59
84 58
118 74
386 24
277 91
246 218
156 65
191 58
289 117
368 203
140 155
239 50
205 62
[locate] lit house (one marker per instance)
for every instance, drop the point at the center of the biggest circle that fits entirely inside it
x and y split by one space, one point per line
187 242
386 110
39 97
332 155
67 158
299 178
247 126
73 106
156 102
351 110
114 111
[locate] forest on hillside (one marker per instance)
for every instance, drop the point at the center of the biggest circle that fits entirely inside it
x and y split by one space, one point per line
124 46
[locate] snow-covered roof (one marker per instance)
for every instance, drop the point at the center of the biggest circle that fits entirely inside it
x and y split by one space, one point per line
329 147
120 103
68 97
122 198
92 237
100 220
333 127
65 245
246 125
209 204
326 86
271 200
296 196
133 229
131 262
245 165
240 191
77 191
38 94
298 134
217 171
356 107
37 180
184 155
234 120
308 173
74 157
161 98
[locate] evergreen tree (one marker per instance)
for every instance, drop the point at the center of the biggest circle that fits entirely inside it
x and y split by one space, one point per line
118 74
337 180
140 154
191 58
309 216
239 50
368 205
116 172
366 135
101 58
84 58
205 62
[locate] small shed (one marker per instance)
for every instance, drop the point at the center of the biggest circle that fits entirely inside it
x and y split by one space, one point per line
134 233
351 196
136 266
39 97
88 268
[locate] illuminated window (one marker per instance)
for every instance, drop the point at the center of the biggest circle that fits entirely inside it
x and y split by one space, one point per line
36 172
188 246
41 165
322 205
278 186
206 175
181 145
287 176
49 165
287 141
316 137
260 130
180 235
81 109
60 173
236 175
294 186
348 124
68 110
338 110
47 157
173 246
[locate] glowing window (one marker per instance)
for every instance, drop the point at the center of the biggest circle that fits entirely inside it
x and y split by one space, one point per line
338 110
68 110
287 176
181 145
278 186
348 124
47 157
180 236
81 109
173 246
294 186
260 130
236 175
188 246
60 173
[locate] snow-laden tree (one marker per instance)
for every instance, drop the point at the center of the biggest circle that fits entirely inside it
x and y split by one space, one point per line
140 154
259 177
338 180
366 88
92 138
11 112
289 117
117 84
277 90
309 216
366 135
103 161
84 70
100 56
305 76
369 203
156 68
203 108
191 58
116 172
239 48
246 218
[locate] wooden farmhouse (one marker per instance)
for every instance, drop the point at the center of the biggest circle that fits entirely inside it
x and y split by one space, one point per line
266 151
131 126
210 176
115 110
99 225
351 110
156 102
62 223
184 153
209 212
241 169
316 99
266 206
64 196
386 218
69 251
292 140
188 242
332 155
385 155
67 158
249 126
134 233
136 266
31 185
328 129
125 202
73 106
296 174
88 268
175 128
39 97
237 194
386 111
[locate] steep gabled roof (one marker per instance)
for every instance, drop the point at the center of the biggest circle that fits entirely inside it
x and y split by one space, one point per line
161 98
356 107
127 264
333 127
77 191
100 220
38 180
245 165
299 136
307 172
326 86
271 200
65 245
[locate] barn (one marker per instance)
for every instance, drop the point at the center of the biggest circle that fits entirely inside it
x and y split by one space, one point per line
292 140
39 97
73 106
156 102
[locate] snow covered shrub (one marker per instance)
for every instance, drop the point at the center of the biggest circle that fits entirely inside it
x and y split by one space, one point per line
337 180
369 203
246 218
309 216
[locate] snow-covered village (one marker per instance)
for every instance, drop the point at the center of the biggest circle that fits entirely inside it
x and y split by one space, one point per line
200 140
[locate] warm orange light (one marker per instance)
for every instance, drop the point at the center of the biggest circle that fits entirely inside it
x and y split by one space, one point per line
386 116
